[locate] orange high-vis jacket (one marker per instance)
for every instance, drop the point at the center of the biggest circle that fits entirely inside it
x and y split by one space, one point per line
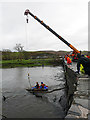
69 60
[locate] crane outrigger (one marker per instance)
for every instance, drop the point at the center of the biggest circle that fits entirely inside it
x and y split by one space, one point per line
27 12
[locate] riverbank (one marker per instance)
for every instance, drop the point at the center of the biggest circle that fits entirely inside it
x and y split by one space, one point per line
30 63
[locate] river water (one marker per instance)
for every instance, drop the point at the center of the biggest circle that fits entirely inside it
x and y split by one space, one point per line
20 103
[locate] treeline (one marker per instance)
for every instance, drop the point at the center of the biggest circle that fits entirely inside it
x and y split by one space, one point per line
26 55
29 59
6 55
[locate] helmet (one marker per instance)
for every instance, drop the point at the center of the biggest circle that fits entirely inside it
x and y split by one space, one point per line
82 55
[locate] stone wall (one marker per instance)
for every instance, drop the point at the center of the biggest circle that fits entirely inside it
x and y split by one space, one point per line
77 93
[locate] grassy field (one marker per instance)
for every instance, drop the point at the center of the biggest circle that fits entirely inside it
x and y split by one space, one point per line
28 63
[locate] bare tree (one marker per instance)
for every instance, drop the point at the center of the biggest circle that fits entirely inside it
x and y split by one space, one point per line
20 50
19 47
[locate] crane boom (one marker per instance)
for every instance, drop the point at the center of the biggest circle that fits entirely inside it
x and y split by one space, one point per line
27 12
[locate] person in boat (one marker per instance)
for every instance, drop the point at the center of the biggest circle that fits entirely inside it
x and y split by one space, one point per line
42 85
85 63
37 85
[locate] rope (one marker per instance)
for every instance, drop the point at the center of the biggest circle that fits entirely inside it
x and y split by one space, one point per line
29 80
27 39
27 36
27 32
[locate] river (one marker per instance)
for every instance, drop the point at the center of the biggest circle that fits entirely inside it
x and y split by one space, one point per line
20 103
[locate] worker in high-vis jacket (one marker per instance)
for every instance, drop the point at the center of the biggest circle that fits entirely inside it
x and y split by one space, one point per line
85 63
69 60
82 69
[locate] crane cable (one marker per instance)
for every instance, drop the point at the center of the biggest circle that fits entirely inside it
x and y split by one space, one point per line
27 38
27 35
29 80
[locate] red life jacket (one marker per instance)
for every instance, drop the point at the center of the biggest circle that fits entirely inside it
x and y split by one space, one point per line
43 85
88 56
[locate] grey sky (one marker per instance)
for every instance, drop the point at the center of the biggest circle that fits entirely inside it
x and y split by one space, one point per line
69 18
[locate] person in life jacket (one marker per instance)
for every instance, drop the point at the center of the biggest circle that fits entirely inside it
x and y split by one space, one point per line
88 56
69 60
65 58
85 63
82 69
42 85
37 85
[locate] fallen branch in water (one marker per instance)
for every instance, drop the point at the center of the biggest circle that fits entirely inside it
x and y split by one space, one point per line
49 91
55 90
3 116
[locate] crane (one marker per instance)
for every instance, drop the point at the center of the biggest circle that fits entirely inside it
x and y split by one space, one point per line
27 12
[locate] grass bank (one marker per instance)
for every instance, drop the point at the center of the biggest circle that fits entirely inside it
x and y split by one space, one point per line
29 63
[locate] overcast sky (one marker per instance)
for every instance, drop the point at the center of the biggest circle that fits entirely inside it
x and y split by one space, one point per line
69 18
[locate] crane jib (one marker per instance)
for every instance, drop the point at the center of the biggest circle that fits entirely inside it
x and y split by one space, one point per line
52 31
46 26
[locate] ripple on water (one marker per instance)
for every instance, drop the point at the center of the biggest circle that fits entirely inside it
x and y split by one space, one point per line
22 104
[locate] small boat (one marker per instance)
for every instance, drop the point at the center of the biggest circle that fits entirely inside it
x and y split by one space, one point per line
40 89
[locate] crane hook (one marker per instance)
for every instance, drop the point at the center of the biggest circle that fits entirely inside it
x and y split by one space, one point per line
27 19
26 13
